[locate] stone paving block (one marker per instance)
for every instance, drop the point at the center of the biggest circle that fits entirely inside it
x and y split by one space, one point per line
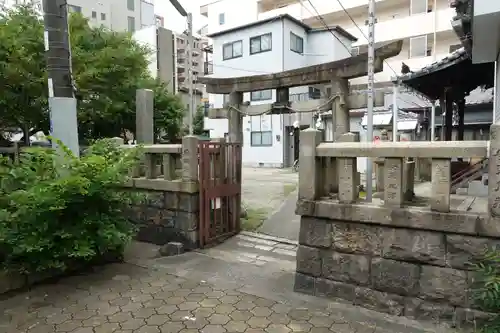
214 310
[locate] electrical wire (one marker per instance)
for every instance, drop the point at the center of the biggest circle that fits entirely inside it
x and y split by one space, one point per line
318 16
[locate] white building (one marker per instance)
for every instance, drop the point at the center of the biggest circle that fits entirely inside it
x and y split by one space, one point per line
424 25
119 15
267 46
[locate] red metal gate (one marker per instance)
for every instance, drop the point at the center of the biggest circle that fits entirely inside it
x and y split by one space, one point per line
220 191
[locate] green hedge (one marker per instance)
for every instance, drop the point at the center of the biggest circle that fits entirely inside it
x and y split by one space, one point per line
58 211
487 290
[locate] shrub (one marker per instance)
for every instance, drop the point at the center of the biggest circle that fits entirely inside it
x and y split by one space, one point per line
59 212
487 292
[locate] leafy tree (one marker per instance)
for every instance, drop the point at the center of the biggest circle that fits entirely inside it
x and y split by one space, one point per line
108 68
23 80
168 114
199 121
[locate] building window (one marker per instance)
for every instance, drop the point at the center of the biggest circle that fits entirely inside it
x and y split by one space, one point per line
74 9
232 50
418 47
131 5
296 43
94 14
225 99
261 43
261 139
222 19
131 23
355 51
455 47
103 16
418 7
261 95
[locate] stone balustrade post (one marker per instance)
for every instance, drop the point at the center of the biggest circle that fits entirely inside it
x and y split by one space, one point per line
441 185
150 166
347 173
393 182
330 175
169 166
310 187
494 172
409 180
190 158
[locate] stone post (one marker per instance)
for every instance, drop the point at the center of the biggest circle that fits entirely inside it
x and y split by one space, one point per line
409 180
379 174
331 176
169 165
144 126
441 185
340 109
494 172
393 182
310 187
235 118
190 158
348 169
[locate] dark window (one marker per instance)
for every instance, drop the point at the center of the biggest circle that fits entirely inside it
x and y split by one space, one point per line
103 16
222 19
261 95
131 23
94 14
261 139
296 43
261 43
455 47
232 50
74 9
131 5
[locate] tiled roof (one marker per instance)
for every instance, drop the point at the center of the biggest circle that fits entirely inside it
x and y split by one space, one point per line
451 59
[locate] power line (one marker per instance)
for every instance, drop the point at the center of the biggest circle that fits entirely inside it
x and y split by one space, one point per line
360 30
318 15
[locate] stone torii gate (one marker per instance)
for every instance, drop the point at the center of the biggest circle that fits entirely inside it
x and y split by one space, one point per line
336 72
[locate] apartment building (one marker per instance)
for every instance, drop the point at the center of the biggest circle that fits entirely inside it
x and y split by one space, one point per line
267 46
424 25
119 15
169 62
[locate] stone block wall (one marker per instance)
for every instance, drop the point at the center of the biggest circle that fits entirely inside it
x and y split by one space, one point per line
167 216
421 274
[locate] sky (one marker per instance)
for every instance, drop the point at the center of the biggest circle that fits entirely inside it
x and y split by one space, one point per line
174 21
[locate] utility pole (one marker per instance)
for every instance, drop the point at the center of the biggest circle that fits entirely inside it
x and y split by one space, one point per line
371 79
62 102
189 49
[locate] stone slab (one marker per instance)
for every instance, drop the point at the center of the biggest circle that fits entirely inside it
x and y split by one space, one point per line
441 185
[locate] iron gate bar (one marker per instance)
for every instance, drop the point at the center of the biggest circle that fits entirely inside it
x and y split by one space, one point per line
219 180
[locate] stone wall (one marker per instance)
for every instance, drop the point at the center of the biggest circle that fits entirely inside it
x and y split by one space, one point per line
167 216
403 270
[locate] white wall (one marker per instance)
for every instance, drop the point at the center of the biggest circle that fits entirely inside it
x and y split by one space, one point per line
236 13
263 156
323 47
147 37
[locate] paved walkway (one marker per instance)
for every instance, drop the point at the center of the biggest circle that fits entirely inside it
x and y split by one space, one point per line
193 293
265 188
284 223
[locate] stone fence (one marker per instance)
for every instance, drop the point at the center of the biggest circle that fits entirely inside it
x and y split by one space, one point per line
169 177
392 255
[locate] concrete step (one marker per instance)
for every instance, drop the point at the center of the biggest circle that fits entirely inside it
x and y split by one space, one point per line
258 250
